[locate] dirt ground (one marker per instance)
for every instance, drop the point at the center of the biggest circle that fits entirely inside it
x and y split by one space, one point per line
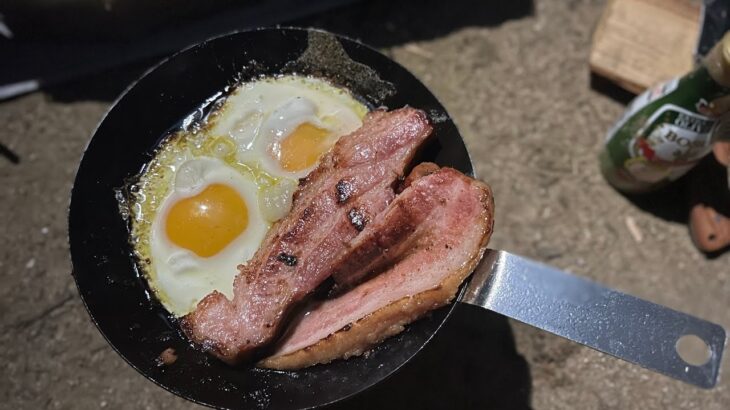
516 82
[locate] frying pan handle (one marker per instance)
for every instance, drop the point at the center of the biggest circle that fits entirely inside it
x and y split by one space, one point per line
583 311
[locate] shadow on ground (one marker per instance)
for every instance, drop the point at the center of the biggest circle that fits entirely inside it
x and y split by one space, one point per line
706 184
670 203
384 23
470 364
610 89
379 23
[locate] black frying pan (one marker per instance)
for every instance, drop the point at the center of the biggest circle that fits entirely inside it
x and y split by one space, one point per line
136 325
115 295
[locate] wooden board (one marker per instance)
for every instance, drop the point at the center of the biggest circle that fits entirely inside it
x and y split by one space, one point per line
639 43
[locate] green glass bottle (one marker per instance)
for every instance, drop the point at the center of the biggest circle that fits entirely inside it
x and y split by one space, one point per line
666 130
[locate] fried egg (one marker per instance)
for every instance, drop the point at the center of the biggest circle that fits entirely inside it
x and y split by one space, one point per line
287 124
210 222
205 202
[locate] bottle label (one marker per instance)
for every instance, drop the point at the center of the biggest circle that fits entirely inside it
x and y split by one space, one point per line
672 140
642 100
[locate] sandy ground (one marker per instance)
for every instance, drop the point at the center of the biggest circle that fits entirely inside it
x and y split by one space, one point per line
516 82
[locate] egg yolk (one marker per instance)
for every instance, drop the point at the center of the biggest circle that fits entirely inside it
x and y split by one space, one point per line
303 147
207 222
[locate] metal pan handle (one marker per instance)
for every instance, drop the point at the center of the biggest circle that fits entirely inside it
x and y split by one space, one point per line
583 311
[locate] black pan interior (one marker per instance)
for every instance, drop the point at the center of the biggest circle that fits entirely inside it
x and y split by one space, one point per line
119 301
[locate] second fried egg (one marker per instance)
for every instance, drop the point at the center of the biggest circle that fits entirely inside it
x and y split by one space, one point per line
287 124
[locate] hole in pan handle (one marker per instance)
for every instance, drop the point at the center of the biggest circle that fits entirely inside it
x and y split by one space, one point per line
609 321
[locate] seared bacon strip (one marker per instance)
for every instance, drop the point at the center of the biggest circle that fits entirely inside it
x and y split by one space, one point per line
446 219
353 183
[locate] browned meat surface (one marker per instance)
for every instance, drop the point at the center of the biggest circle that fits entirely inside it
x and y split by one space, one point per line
449 219
352 184
394 232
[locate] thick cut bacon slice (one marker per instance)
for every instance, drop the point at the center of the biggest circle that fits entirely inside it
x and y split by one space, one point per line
446 219
352 184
